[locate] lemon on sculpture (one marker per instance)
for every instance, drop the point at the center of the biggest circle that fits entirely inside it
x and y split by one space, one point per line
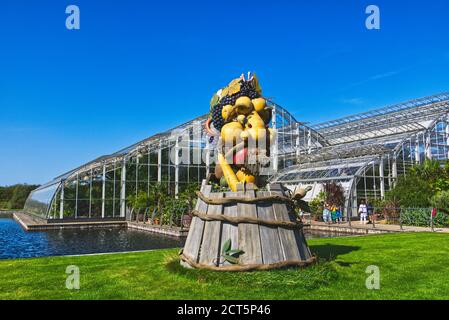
244 105
225 111
241 119
231 132
254 127
259 104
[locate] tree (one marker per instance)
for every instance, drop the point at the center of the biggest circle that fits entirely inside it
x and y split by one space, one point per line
14 197
335 194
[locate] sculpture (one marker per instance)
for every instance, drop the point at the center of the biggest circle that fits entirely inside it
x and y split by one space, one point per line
247 228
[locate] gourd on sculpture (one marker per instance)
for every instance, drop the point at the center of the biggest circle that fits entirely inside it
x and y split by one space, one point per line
250 226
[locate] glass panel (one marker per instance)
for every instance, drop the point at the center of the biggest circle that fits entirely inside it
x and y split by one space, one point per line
69 208
108 208
153 173
83 208
96 209
39 200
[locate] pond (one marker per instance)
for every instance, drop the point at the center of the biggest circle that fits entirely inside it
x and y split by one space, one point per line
18 243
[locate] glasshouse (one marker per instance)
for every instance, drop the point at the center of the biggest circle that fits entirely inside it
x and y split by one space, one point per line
365 153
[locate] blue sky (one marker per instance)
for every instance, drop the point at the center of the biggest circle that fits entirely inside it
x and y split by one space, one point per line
139 67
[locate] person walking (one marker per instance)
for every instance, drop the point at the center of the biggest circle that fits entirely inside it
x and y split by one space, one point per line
363 212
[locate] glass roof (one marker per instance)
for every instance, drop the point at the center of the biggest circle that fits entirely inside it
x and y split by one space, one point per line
404 117
325 170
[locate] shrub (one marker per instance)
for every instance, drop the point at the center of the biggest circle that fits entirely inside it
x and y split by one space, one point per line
139 202
173 211
411 192
441 201
316 205
421 218
188 195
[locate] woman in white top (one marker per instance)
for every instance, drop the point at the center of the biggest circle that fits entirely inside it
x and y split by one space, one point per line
363 211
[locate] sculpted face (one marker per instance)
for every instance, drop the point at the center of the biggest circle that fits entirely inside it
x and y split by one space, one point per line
242 117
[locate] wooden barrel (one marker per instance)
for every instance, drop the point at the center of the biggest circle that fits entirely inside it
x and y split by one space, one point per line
255 228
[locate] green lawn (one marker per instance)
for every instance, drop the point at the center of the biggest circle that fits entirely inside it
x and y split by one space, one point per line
412 266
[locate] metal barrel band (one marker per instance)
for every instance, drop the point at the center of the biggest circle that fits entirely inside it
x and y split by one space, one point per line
249 267
251 220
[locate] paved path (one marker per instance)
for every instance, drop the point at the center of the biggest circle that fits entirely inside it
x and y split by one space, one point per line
356 226
167 230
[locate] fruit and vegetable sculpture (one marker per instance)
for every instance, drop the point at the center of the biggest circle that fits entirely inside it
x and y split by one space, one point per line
239 124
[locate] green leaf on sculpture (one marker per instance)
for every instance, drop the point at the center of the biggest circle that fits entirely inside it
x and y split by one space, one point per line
226 247
215 99
235 252
231 259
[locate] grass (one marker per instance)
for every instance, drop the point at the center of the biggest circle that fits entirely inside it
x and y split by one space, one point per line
412 266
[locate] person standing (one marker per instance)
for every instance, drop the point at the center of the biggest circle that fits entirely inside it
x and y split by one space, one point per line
370 210
363 212
334 213
326 213
338 215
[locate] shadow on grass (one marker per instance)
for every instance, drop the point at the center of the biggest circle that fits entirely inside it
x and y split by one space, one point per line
308 278
329 252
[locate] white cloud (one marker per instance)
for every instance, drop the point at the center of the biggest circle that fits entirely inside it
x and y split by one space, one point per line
353 101
384 75
373 78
